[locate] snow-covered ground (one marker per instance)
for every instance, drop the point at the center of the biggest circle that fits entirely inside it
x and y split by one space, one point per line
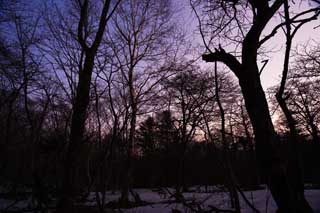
261 199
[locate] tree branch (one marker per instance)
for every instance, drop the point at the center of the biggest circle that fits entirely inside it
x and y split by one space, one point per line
81 24
222 56
103 22
293 20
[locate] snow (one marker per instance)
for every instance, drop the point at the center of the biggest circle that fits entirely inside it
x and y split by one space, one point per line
261 199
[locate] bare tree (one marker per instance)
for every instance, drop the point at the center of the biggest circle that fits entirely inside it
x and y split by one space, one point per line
242 22
143 52
303 90
89 44
188 95
233 191
295 169
28 82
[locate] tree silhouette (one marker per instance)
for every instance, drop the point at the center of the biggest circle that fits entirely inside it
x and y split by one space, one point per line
248 33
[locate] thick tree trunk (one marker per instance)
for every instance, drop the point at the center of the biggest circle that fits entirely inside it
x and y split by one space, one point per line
69 188
81 102
269 159
272 166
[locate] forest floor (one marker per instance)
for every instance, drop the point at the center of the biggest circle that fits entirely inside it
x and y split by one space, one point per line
161 201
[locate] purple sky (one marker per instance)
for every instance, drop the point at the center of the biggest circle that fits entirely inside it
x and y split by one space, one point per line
271 73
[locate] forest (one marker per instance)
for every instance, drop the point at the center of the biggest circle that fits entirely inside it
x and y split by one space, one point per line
159 106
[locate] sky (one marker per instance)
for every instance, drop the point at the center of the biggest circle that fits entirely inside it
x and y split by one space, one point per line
271 74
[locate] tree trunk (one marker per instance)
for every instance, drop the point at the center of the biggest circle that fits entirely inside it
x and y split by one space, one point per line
69 188
270 162
295 167
272 166
131 140
234 197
